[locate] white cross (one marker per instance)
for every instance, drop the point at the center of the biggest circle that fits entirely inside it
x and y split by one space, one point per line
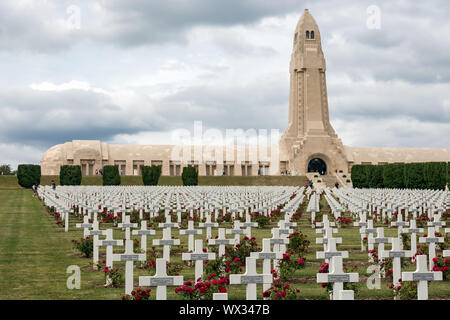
129 257
380 240
208 225
143 232
396 254
221 241
191 232
109 242
127 225
66 221
251 278
325 222
337 276
328 234
237 231
431 240
331 251
168 224
446 253
436 223
413 230
198 256
422 276
279 243
267 256
95 232
370 231
399 224
248 224
362 224
166 242
220 296
161 280
346 295
85 225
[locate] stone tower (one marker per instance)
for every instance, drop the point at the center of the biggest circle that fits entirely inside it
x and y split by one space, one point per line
309 138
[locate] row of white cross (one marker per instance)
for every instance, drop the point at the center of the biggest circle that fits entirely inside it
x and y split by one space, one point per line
251 278
422 275
62 201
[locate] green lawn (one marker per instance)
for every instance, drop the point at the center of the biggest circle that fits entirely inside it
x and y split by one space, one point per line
10 182
35 254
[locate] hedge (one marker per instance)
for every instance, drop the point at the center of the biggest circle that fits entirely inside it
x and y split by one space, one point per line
28 175
435 174
394 175
111 176
150 175
358 176
376 176
70 175
448 174
431 175
189 176
414 176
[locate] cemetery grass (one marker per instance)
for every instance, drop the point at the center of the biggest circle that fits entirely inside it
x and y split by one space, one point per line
35 254
10 182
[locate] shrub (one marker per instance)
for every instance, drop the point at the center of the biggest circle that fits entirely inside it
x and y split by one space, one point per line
5 169
376 177
261 219
203 290
150 175
189 176
113 277
414 176
138 294
435 174
298 242
448 174
393 175
70 175
404 290
111 176
442 264
28 174
85 246
359 176
281 290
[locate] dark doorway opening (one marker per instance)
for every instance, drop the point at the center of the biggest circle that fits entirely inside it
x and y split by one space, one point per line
317 165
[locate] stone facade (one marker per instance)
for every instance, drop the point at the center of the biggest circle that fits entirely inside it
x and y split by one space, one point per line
308 137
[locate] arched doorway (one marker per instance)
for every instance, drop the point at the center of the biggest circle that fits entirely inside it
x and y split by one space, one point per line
317 165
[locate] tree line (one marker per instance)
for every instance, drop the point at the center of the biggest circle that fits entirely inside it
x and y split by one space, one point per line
419 175
70 175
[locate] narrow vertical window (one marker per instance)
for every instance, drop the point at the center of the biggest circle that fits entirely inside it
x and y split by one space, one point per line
307 34
312 34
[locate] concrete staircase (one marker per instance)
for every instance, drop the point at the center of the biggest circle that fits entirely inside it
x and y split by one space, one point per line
315 180
328 180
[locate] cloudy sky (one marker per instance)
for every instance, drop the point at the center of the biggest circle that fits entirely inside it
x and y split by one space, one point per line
131 71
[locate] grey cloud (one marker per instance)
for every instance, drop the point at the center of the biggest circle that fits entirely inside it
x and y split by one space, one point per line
260 105
46 117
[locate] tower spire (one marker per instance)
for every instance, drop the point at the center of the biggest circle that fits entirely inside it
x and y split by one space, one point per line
308 99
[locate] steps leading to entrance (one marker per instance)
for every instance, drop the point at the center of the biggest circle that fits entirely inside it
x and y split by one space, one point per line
328 180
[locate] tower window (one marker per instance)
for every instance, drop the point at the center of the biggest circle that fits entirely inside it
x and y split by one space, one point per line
312 34
307 34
